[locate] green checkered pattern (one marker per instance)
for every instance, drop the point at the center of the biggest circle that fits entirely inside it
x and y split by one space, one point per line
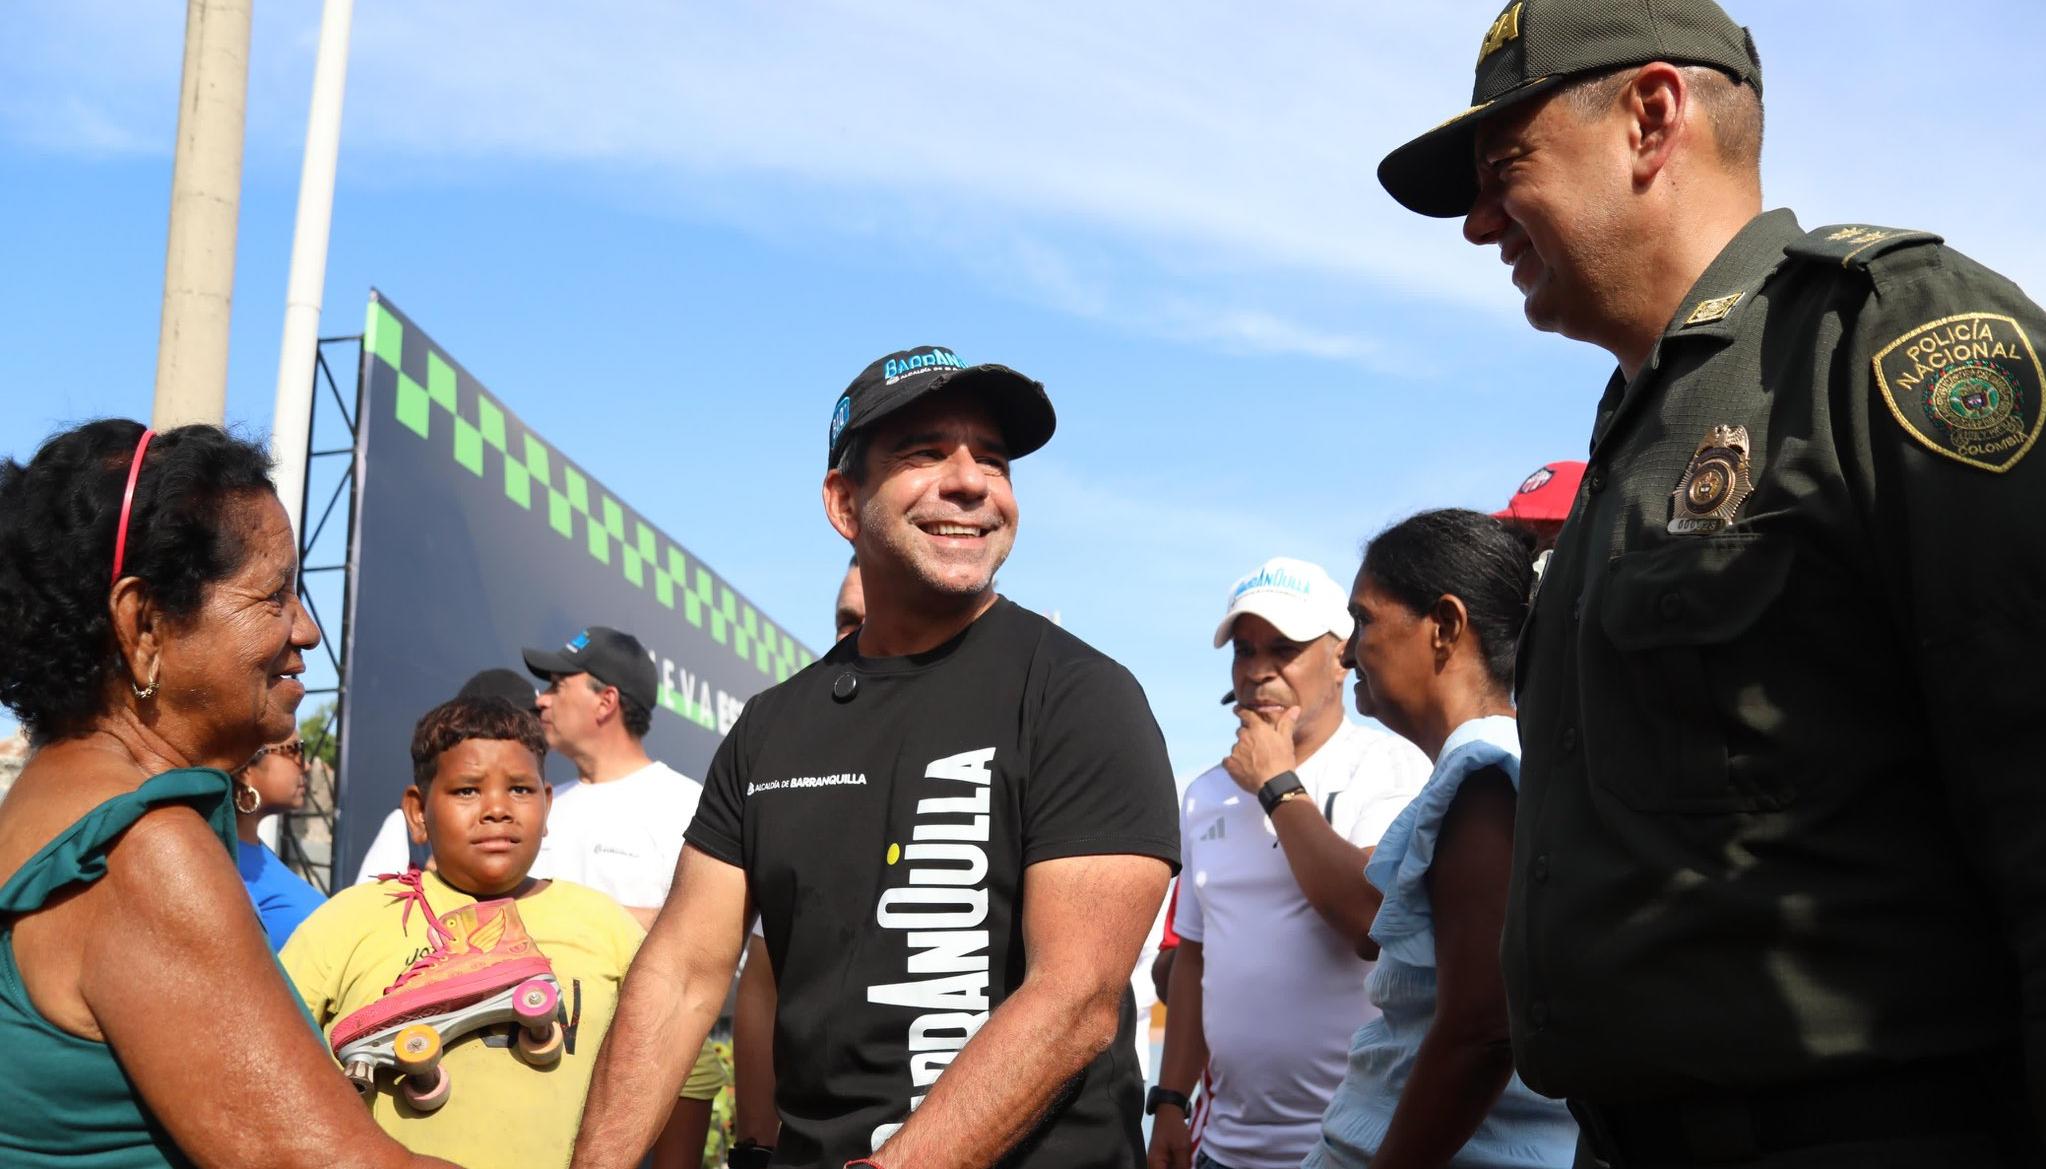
577 508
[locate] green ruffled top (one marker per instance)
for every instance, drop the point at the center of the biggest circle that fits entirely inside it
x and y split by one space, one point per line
65 1101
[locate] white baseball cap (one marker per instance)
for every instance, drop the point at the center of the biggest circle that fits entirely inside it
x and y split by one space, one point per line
1300 599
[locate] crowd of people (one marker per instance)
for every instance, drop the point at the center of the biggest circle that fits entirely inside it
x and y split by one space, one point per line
1703 827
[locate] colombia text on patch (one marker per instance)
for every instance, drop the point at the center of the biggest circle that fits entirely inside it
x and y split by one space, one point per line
1967 387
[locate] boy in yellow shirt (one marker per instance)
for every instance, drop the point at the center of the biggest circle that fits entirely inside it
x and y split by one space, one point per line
490 990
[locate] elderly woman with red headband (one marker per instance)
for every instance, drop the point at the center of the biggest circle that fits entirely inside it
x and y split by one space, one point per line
150 638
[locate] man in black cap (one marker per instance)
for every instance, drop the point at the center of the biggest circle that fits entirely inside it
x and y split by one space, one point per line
956 826
617 827
1778 895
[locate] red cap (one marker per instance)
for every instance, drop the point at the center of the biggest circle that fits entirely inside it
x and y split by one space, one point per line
1546 495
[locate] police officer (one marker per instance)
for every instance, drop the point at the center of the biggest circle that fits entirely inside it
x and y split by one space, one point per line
1779 890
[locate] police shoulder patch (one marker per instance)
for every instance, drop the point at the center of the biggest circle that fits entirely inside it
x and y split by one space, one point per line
1854 245
1966 387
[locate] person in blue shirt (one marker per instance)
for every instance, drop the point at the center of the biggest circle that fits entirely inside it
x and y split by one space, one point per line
1438 605
272 782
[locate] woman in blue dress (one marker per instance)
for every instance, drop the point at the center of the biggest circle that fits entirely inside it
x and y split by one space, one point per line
271 783
1438 604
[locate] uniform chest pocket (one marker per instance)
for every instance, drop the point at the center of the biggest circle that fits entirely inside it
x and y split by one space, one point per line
1687 622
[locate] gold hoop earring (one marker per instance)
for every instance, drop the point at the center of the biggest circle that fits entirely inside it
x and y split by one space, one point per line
148 691
246 799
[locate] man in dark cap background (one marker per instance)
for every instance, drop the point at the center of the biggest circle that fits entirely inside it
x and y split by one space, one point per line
957 827
617 827
1777 896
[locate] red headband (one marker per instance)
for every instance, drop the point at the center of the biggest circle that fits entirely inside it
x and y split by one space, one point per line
127 502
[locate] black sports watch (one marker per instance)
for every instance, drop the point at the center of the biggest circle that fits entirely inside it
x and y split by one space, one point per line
1161 1096
749 1154
1278 789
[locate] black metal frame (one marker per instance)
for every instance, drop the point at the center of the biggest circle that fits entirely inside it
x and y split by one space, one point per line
290 845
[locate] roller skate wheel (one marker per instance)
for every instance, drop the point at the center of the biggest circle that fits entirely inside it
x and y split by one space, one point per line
534 1001
363 1075
428 1092
540 1051
416 1049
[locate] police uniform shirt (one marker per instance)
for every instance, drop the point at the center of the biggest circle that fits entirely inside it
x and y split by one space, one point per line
885 811
1783 814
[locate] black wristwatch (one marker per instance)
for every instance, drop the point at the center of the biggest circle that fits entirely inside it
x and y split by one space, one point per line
1161 1096
1278 789
749 1154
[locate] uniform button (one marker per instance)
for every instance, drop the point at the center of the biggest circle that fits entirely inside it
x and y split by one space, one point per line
1671 606
1539 1013
1541 868
1569 739
1596 481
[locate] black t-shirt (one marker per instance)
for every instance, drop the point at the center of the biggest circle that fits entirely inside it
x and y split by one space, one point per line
884 838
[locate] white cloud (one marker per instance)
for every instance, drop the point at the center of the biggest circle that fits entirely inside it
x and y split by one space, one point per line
74 124
1235 138
1262 332
1175 140
1251 137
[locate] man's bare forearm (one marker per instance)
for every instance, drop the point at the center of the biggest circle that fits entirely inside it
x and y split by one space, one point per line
1329 871
640 1068
999 1086
1186 1037
1455 1083
672 995
753 1049
680 1145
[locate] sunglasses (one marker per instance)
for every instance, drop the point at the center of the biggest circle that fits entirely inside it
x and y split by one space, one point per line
295 749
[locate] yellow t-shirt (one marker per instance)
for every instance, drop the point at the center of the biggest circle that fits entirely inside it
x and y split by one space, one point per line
501 1111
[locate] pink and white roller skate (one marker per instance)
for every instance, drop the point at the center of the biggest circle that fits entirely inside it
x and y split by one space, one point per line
484 969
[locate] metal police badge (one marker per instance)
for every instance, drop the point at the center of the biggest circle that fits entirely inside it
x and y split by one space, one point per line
1715 484
1966 387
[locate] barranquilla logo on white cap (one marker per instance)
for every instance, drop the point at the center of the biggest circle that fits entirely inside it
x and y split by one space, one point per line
1299 598
1282 575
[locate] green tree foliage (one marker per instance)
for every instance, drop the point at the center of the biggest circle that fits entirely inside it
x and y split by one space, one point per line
317 731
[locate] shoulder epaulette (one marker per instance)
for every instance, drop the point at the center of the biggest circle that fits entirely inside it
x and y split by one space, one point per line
1855 245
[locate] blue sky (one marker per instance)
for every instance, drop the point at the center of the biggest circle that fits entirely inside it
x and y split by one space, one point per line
668 235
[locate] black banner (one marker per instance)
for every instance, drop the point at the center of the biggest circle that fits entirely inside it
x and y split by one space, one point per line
475 537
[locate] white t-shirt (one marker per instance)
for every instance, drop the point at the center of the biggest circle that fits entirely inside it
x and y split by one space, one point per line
390 851
1281 992
622 837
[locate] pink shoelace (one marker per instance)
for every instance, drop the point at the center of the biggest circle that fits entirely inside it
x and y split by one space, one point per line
413 892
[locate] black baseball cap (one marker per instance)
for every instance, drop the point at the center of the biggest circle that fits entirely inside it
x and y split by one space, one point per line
613 658
1535 46
1020 404
499 682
